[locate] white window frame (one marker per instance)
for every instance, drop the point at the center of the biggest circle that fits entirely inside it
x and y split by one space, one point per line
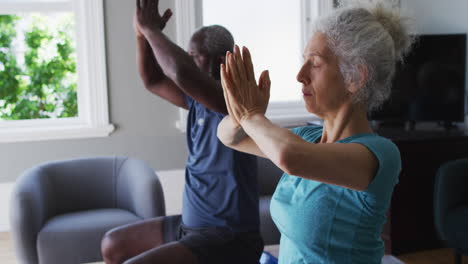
93 112
289 114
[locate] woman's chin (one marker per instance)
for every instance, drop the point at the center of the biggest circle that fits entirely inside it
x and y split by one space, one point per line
312 109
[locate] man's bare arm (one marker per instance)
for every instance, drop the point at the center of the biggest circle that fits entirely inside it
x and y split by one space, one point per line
177 64
154 78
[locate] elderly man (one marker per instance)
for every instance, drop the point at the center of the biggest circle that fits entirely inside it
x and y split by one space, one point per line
220 220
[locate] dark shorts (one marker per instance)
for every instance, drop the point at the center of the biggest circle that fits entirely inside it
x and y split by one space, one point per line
215 245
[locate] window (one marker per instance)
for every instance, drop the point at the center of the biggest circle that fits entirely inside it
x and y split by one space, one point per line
52 66
275 31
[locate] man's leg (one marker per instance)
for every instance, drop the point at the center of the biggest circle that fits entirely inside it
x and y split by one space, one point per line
171 253
122 243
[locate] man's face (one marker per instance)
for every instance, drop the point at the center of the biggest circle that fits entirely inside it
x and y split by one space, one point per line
200 57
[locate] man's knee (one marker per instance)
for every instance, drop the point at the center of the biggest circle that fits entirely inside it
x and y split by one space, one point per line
112 248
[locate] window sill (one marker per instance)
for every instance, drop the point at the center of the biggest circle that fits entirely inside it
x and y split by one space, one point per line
282 120
291 114
288 121
53 132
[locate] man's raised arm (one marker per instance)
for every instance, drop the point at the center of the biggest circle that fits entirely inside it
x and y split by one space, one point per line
176 63
151 73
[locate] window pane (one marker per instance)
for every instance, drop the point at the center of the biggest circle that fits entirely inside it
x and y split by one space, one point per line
271 29
37 66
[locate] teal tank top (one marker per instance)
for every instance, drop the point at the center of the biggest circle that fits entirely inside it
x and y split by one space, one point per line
323 223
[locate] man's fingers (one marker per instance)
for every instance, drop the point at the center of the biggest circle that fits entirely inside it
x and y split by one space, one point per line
167 15
156 5
250 73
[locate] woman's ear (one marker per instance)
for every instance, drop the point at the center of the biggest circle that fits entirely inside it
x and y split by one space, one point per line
361 81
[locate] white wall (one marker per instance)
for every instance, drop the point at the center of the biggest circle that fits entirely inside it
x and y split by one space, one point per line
435 16
5 192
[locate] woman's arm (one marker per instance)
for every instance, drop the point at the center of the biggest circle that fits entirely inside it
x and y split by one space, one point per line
349 165
234 136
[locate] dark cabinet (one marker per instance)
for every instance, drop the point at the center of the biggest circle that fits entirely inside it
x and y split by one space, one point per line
410 226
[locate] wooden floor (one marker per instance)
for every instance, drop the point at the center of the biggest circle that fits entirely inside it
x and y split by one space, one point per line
6 250
439 256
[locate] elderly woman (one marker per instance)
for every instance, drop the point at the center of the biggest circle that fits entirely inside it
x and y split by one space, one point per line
331 202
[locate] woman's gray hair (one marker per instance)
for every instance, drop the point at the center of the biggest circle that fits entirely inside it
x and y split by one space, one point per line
371 34
217 40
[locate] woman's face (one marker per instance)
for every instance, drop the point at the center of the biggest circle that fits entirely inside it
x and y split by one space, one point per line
323 86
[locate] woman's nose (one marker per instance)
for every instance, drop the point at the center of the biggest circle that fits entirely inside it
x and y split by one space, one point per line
301 75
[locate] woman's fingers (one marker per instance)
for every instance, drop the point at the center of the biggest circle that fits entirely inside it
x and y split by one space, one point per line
248 64
233 71
264 85
264 81
226 65
225 83
239 63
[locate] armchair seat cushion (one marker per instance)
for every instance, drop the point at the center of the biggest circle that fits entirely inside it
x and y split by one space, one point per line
457 228
77 234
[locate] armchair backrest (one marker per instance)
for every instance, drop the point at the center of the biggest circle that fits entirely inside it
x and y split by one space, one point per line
81 184
450 190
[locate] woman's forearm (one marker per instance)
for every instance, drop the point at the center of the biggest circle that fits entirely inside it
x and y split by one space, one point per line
229 133
275 142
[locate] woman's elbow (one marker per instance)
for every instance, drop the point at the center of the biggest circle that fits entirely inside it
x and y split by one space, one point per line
222 135
285 160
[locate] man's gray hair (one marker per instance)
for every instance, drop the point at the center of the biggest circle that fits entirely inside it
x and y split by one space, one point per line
217 40
367 33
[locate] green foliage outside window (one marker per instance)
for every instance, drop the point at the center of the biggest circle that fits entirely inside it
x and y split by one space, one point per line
42 83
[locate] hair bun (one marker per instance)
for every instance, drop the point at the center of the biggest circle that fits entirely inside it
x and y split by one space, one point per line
396 25
387 13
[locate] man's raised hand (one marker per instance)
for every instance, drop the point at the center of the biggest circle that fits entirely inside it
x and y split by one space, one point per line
147 17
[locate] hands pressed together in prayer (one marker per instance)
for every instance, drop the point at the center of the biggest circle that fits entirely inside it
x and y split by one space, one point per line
244 97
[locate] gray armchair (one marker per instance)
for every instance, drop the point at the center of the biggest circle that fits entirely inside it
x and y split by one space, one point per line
451 206
61 210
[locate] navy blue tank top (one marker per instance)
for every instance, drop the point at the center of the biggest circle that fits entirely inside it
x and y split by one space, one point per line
221 183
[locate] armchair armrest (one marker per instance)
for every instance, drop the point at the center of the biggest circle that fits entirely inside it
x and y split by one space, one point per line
139 189
30 207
